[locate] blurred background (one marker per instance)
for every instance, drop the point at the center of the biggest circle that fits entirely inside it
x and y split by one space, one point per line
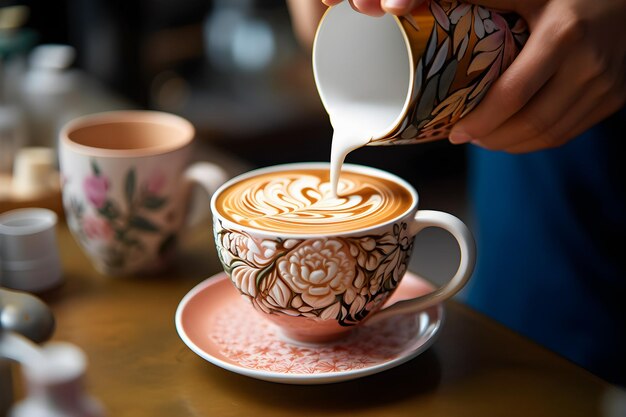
232 67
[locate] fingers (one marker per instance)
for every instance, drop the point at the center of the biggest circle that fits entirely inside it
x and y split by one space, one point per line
535 65
368 7
330 2
552 104
574 79
400 7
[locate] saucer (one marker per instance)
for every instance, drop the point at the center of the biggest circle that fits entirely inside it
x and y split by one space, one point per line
220 326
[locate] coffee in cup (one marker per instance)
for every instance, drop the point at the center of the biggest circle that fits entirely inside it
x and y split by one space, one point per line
317 264
300 201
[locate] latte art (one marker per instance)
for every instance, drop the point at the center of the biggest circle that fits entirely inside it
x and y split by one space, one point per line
302 201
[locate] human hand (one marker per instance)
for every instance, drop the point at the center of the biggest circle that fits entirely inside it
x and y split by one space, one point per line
570 75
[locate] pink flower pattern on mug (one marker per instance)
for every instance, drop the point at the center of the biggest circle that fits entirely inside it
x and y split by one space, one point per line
118 224
468 48
155 183
339 278
96 188
97 228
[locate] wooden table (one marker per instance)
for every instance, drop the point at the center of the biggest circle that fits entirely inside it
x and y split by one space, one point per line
140 367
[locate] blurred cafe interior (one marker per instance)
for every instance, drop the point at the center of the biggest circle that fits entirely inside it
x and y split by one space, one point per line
232 67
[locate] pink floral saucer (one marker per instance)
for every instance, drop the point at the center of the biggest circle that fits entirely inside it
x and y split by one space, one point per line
216 323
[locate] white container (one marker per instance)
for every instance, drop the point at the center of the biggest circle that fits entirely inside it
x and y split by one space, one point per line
29 254
55 385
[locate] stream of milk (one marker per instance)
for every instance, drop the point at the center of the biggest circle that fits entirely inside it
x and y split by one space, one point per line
355 124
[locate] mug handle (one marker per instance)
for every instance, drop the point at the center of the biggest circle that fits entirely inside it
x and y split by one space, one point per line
429 218
209 177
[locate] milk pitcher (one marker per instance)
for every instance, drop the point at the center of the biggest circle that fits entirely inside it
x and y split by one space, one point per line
409 79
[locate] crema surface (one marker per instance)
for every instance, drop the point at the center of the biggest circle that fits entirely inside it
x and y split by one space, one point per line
301 201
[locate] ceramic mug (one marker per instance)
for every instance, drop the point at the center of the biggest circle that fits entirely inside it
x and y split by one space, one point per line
409 79
316 286
126 182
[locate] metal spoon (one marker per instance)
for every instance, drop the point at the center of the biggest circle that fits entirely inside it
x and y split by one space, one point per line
25 314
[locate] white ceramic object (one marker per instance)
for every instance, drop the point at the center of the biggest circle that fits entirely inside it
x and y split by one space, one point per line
126 183
54 377
319 286
29 253
419 73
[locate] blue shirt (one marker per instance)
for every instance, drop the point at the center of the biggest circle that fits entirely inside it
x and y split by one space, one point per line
550 228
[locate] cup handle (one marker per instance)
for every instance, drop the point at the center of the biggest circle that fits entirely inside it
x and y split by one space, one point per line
429 218
209 177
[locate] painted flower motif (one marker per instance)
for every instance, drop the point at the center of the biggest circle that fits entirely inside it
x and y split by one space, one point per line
319 271
244 256
121 219
97 228
339 279
275 295
96 187
389 272
357 300
482 22
468 48
254 251
450 110
155 183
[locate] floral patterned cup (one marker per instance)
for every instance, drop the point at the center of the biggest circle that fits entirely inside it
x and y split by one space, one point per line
126 180
412 77
317 286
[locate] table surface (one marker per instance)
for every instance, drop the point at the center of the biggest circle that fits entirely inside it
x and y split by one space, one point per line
138 366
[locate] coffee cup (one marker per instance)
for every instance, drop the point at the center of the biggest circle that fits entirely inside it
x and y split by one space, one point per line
126 182
316 264
409 79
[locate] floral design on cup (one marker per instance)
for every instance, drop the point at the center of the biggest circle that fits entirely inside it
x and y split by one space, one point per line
96 187
326 278
97 228
117 226
469 47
